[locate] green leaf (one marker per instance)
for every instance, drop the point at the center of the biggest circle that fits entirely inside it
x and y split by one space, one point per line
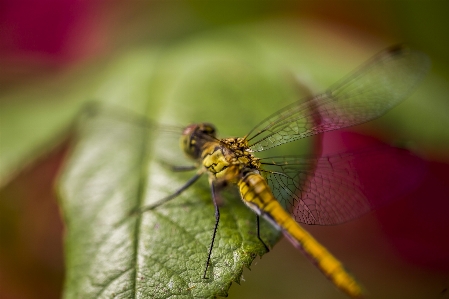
36 117
117 166
160 253
232 78
30 129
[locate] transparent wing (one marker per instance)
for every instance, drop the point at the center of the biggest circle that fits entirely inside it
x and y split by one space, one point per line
369 92
338 188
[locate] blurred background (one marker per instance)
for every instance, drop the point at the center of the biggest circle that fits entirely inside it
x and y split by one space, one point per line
55 55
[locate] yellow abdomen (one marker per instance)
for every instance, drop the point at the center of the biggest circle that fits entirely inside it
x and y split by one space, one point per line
256 194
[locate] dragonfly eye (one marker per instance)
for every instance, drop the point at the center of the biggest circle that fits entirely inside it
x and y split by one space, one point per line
207 129
194 136
188 141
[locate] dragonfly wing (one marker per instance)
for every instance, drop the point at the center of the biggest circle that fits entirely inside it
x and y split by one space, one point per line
366 94
338 188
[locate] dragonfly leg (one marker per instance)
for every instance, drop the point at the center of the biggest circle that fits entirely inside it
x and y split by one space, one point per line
181 168
258 234
217 219
178 168
171 196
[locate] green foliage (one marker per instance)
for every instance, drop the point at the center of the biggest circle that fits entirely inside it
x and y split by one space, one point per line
118 165
232 78
29 129
160 253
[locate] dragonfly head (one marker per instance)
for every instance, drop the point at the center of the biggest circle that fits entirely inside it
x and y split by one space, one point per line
195 136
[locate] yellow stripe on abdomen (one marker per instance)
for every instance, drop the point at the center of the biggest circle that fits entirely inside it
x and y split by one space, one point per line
257 195
323 259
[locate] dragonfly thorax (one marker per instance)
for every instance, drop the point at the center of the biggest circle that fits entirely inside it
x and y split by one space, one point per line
226 159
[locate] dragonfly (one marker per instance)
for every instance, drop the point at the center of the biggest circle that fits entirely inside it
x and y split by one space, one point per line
289 190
